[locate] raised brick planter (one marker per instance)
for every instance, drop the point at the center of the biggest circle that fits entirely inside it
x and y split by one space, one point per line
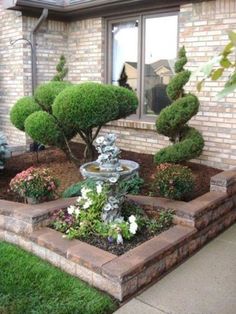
196 222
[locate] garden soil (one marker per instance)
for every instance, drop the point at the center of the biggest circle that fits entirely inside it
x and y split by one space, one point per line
68 173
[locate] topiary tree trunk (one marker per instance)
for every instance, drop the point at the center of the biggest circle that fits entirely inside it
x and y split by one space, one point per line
187 142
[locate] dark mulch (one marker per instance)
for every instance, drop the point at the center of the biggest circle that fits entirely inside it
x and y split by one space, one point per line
138 239
68 174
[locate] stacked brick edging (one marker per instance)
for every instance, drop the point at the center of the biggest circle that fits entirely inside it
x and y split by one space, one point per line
196 222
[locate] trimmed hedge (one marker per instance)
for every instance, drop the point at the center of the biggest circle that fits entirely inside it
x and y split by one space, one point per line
23 108
46 93
127 101
42 127
86 105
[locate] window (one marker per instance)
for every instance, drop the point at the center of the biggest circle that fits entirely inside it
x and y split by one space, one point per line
142 51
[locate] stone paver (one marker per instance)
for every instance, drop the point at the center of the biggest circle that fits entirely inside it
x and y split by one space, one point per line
204 284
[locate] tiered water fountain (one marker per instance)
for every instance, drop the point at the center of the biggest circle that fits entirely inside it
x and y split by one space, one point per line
109 169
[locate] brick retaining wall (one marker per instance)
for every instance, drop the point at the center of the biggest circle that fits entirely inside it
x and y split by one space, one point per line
195 223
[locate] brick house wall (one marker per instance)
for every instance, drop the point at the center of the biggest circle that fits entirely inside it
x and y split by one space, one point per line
11 72
202 29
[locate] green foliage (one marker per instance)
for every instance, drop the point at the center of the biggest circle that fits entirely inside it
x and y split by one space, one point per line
86 106
75 189
43 128
46 93
21 110
62 70
172 121
164 221
215 67
189 147
127 101
173 181
131 186
30 285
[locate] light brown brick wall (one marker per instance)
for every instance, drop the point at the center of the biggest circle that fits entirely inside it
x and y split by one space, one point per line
11 72
203 31
86 50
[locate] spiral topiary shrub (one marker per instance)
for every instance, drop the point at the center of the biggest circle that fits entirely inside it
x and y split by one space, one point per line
21 110
62 70
173 181
187 142
46 93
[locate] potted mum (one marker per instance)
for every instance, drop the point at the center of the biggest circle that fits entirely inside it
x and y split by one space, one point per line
35 185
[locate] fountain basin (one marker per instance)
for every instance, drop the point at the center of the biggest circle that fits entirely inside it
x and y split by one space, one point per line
92 170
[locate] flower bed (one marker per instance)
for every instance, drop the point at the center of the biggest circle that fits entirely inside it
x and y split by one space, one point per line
195 223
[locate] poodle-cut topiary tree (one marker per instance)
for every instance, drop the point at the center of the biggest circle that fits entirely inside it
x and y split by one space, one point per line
187 142
63 110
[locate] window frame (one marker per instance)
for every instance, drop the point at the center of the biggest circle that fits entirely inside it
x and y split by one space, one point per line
141 17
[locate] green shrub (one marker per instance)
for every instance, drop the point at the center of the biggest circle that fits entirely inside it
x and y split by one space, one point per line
42 127
132 186
127 101
173 181
86 105
187 142
46 93
21 110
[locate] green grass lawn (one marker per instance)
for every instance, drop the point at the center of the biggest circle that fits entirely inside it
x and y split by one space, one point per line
29 285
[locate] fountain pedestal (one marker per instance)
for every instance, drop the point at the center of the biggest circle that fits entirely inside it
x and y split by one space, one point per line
109 169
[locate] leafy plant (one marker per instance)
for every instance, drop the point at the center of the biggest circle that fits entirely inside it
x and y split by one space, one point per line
173 181
216 67
132 186
172 121
36 183
75 189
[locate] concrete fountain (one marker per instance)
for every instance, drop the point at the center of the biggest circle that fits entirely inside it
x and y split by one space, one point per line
109 169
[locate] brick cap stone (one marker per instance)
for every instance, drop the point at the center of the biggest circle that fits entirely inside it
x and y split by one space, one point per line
126 266
89 256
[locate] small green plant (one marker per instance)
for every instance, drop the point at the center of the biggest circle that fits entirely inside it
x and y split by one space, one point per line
75 189
173 181
132 186
62 70
35 183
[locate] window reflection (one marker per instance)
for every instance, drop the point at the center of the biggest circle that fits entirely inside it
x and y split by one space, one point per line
157 64
160 54
125 54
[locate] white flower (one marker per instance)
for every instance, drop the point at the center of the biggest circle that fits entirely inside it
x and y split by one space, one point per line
133 227
71 209
77 211
79 199
100 140
132 219
99 188
84 192
87 204
119 239
107 207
